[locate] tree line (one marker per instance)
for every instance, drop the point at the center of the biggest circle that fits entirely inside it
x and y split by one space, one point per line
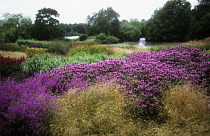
176 21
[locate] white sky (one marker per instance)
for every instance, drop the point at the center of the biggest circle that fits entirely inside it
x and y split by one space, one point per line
76 11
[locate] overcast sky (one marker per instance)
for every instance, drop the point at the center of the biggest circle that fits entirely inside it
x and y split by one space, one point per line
76 11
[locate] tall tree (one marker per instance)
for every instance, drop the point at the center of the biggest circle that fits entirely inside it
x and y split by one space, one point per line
200 23
46 25
14 26
132 30
105 21
171 22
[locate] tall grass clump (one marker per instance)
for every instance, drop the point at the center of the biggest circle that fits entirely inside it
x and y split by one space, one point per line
58 47
129 49
41 63
44 63
187 112
100 110
201 44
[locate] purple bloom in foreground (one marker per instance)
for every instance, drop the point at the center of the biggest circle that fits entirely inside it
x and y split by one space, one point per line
143 106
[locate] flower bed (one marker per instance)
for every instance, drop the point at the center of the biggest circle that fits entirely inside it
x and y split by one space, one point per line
143 76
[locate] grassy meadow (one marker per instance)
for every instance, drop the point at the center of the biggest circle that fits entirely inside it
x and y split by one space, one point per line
89 89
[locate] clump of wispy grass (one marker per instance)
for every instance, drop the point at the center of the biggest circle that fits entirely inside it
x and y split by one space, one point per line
98 111
200 44
187 112
186 105
129 49
13 54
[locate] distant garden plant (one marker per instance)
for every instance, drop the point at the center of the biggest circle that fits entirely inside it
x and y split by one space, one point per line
8 65
35 51
90 49
102 38
59 47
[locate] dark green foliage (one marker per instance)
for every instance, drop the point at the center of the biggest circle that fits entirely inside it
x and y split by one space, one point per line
13 27
46 26
170 23
105 21
12 47
199 27
112 39
132 30
102 38
73 29
23 42
83 37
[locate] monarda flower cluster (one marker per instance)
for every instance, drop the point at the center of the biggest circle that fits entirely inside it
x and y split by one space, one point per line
142 75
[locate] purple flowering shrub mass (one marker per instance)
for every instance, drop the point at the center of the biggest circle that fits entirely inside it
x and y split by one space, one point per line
143 76
27 107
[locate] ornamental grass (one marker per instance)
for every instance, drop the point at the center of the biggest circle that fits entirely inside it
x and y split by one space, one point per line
100 110
187 111
12 55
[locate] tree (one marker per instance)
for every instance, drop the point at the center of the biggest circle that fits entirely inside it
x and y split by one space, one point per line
46 26
14 26
131 31
200 25
105 21
171 22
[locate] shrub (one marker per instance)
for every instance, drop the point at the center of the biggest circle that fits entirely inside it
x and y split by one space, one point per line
111 39
8 65
101 38
25 108
100 110
12 47
23 42
35 51
83 37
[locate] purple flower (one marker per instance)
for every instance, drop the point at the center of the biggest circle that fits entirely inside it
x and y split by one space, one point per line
143 106
132 99
136 106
